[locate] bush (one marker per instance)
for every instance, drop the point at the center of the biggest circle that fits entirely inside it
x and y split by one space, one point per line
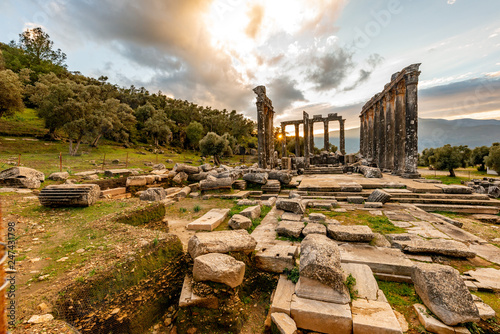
493 159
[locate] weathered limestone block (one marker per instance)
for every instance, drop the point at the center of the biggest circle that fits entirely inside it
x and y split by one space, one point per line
433 325
320 260
371 172
350 187
69 195
183 193
485 311
21 177
219 268
291 216
136 181
375 317
276 258
289 228
291 205
197 177
206 167
269 202
374 205
117 172
188 298
183 168
444 292
59 176
486 278
259 178
317 217
355 199
252 212
153 194
366 285
245 202
282 298
320 316
494 191
315 290
239 222
180 177
209 221
211 183
285 177
355 233
454 189
284 323
221 242
314 228
379 196
416 244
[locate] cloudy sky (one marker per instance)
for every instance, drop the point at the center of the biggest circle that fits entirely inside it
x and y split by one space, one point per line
321 56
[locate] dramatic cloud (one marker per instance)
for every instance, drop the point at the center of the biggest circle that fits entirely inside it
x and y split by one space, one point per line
329 70
284 93
256 15
364 74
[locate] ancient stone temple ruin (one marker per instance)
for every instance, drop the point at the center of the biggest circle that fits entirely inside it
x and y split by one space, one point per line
388 133
265 117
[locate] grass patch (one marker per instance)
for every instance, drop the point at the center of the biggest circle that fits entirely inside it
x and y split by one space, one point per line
448 214
447 179
350 282
151 213
292 274
256 222
377 223
292 239
401 296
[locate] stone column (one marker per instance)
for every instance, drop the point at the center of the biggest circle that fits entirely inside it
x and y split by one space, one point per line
381 126
342 136
306 138
361 133
283 141
370 135
297 141
270 137
261 133
326 135
311 137
375 132
399 129
389 121
411 135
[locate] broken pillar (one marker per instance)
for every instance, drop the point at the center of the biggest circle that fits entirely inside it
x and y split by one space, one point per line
265 116
73 195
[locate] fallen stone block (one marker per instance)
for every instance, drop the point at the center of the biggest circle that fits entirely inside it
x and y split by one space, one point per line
271 186
288 228
72 195
492 219
485 278
183 168
276 258
366 285
284 323
209 221
374 317
153 194
355 199
494 191
416 244
354 233
239 222
291 216
326 205
21 177
283 296
259 178
59 176
284 177
379 196
212 183
320 260
252 212
269 202
245 202
180 177
317 217
291 205
374 205
221 242
433 325
219 268
117 172
449 220
444 292
485 310
370 172
320 316
311 289
188 298
314 228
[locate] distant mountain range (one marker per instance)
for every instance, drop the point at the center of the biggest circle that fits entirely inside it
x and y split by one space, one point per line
434 133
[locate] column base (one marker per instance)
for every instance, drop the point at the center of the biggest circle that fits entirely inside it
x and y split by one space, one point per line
410 175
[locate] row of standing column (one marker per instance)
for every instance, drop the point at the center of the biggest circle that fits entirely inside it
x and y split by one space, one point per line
388 132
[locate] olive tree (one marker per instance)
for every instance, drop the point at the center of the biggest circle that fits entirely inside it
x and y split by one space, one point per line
213 144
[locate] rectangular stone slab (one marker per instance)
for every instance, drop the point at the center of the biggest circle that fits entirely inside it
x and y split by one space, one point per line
374 317
311 289
209 221
283 296
366 285
380 260
321 317
276 258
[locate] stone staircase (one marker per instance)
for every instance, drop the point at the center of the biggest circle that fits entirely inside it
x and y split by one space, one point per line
323 170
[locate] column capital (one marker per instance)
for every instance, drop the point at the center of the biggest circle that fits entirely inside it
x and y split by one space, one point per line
400 88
